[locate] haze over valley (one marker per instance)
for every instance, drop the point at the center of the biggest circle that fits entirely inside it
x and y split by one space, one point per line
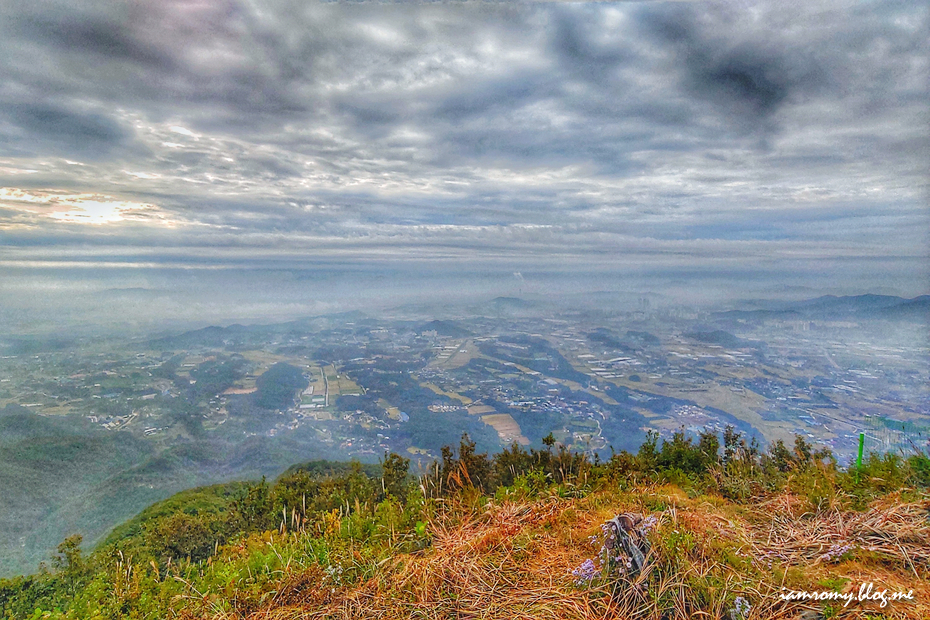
237 236
102 426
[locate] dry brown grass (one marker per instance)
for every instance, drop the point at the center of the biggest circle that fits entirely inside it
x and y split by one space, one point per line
492 566
515 560
891 538
897 532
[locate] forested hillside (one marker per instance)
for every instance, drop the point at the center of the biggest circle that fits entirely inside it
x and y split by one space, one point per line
711 527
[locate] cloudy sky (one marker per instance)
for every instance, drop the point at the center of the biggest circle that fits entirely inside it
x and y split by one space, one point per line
150 147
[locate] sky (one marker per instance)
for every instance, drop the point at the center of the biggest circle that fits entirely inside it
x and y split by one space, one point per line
228 159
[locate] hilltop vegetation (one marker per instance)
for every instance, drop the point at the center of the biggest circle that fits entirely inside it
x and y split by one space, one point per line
725 528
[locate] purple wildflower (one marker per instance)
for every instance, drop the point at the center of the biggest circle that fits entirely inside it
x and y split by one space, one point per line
740 609
586 572
648 524
836 552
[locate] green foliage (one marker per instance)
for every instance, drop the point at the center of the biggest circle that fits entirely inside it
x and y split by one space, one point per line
322 468
919 464
833 583
341 521
214 376
253 509
70 564
21 596
278 386
779 457
884 473
648 455
394 475
683 455
469 469
200 501
184 535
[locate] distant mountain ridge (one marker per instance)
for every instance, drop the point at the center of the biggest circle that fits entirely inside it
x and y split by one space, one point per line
217 336
831 307
824 308
919 307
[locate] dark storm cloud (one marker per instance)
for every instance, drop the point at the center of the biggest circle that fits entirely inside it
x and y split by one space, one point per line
750 78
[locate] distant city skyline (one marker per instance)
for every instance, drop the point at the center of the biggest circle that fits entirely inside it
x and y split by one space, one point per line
236 159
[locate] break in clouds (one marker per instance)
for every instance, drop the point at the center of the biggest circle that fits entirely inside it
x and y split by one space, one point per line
143 141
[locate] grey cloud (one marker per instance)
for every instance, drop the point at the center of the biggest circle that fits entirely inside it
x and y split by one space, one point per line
61 130
582 53
152 55
482 98
749 78
525 130
99 37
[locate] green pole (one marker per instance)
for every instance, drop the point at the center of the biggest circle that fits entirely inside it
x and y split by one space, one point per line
859 458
